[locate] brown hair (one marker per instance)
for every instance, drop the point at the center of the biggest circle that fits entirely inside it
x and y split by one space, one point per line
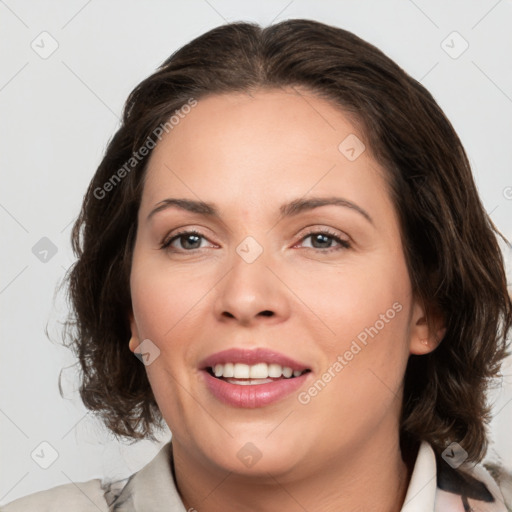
450 244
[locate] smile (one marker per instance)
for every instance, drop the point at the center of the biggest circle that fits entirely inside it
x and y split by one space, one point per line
259 373
252 378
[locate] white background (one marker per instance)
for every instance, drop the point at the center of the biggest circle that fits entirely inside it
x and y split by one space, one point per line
58 113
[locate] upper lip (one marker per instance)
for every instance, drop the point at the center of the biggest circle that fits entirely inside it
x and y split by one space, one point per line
251 357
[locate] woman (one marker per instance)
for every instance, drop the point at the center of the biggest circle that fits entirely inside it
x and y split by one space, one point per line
285 231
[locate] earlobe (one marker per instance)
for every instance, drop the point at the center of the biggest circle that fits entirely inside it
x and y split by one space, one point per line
133 344
424 337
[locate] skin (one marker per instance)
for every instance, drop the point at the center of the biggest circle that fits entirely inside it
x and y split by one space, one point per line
248 155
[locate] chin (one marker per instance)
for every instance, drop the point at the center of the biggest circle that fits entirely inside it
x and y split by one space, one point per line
255 455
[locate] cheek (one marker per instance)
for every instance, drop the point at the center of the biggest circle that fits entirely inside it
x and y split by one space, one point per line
151 308
367 312
163 307
162 298
349 299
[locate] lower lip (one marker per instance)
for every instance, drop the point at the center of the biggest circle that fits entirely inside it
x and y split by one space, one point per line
252 396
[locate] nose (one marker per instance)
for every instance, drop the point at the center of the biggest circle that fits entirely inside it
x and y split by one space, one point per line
251 292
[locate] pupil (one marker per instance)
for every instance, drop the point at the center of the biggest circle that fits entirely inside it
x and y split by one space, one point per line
187 238
320 236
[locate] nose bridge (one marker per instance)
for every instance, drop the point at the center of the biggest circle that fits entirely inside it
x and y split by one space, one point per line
250 287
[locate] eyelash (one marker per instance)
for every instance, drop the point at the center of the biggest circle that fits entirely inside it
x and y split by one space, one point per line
344 244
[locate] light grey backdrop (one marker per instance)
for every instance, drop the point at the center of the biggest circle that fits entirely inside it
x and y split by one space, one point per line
67 68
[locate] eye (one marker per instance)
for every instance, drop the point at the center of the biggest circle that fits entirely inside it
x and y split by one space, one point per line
323 240
189 240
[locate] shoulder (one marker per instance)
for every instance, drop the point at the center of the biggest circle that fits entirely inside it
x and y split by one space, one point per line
90 496
486 486
503 478
149 489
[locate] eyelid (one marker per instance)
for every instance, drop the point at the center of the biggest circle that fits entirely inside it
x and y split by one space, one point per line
343 240
175 235
319 228
345 243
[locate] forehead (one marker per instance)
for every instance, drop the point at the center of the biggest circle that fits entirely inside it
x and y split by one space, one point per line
284 141
290 120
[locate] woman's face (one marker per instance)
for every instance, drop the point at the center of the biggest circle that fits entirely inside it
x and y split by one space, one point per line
323 289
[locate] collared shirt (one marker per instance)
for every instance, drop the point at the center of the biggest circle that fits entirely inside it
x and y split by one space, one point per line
435 486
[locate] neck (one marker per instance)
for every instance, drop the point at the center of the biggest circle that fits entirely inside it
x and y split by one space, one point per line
356 480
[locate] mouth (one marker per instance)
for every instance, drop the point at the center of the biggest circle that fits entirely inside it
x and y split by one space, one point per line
241 374
252 378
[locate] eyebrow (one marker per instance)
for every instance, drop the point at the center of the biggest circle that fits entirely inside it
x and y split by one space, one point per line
290 209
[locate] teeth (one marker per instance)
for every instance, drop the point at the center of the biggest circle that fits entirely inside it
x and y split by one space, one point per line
275 370
229 370
287 372
248 382
255 371
242 371
258 371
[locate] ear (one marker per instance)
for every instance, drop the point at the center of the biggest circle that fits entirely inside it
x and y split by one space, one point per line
134 340
425 338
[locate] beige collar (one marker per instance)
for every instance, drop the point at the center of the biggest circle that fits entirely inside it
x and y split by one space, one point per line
152 488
